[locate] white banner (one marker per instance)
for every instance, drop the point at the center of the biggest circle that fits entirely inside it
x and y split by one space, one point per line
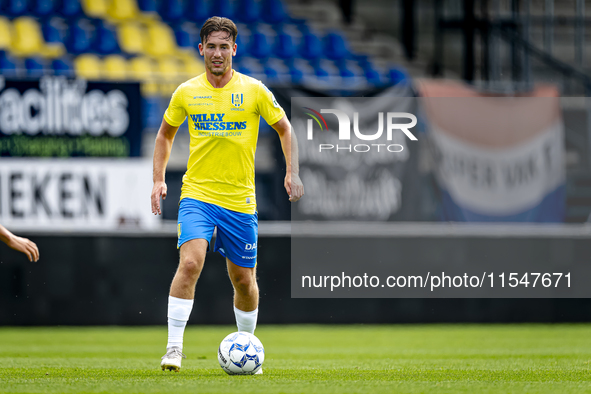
501 181
76 194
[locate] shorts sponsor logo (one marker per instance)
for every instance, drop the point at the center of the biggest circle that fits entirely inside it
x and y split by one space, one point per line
251 246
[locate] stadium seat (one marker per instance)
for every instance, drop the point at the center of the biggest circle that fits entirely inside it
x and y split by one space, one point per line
169 73
260 46
184 38
274 11
95 8
69 8
28 40
285 46
311 47
397 75
277 71
336 47
123 9
5 34
132 38
8 65
62 66
191 66
115 68
42 8
172 11
35 67
141 68
373 77
249 11
149 6
224 8
80 36
105 41
14 8
242 46
197 11
88 66
55 30
161 40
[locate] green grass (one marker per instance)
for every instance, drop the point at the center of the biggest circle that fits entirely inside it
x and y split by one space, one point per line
304 359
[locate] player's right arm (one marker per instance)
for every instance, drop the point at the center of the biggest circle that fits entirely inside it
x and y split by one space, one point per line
162 149
173 117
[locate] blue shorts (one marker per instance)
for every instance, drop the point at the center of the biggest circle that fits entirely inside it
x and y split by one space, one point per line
237 233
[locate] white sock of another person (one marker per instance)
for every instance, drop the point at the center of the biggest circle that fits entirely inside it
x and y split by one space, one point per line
179 310
246 321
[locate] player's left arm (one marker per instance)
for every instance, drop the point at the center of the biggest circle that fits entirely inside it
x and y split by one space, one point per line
289 144
20 244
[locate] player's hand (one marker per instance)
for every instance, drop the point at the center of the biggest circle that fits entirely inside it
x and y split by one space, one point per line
294 187
159 190
25 246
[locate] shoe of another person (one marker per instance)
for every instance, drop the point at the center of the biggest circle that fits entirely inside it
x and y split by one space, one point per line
172 359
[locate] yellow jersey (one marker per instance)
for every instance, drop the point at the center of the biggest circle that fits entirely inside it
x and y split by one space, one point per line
224 128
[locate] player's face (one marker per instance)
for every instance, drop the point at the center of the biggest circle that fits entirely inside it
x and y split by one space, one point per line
217 52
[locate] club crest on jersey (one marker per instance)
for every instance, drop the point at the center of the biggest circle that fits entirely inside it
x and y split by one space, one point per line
237 99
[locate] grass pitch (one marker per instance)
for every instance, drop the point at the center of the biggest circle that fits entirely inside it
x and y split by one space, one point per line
304 359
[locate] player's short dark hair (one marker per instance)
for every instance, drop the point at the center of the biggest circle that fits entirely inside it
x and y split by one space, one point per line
217 23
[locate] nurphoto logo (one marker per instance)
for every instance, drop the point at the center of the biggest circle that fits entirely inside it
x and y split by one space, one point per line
345 130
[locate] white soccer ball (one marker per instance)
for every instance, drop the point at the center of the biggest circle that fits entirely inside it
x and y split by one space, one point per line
241 353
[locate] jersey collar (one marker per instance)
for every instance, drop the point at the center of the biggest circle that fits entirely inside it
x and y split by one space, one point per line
228 85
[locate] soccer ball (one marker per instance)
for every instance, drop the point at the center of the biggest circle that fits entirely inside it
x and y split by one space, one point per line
241 353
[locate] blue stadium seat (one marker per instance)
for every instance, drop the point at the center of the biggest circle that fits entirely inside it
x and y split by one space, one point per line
398 75
184 39
274 11
147 5
80 36
54 30
311 47
251 66
69 8
13 8
224 8
42 8
105 39
172 10
277 71
272 75
249 11
285 46
259 46
63 66
242 47
336 47
197 11
34 67
152 112
8 65
373 77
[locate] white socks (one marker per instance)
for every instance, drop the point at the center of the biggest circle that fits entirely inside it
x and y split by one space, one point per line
179 310
246 321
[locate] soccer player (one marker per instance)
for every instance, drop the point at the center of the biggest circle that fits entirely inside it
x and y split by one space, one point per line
224 109
20 244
